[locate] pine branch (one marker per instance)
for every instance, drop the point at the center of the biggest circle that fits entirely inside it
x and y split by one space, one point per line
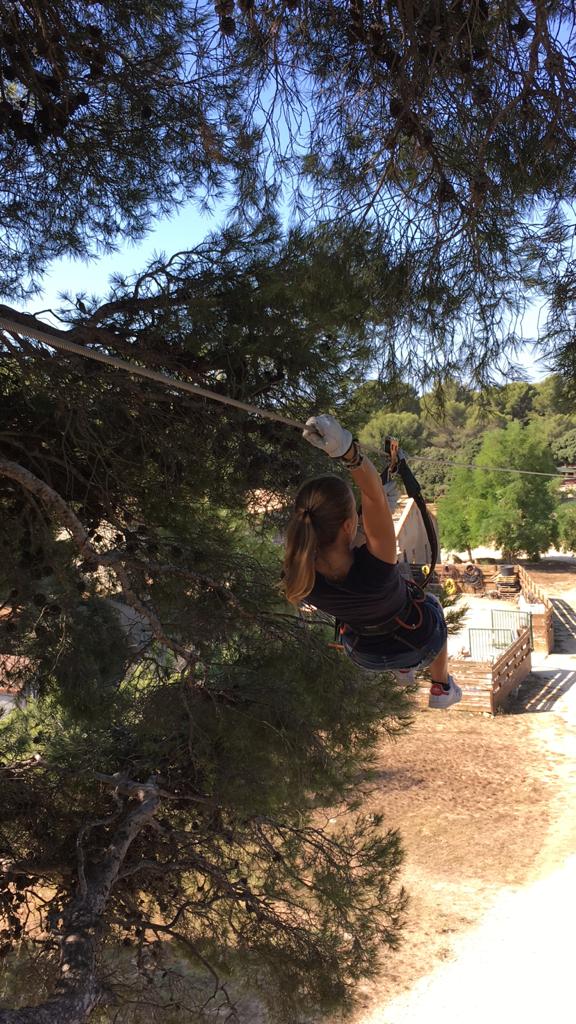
111 559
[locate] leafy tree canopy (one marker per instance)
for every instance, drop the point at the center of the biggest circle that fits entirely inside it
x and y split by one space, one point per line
405 425
551 397
454 418
454 514
567 526
513 401
513 512
376 396
449 414
564 447
435 467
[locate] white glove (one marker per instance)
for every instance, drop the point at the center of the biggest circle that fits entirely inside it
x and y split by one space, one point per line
326 433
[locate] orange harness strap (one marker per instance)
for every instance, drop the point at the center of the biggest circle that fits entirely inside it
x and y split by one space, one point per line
416 601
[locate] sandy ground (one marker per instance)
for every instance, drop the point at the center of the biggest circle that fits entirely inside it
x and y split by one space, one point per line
486 808
517 966
556 576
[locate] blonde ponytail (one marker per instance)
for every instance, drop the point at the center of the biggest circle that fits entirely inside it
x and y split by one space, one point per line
321 506
301 547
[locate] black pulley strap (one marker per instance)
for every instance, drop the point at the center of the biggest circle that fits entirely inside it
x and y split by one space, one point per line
397 464
413 490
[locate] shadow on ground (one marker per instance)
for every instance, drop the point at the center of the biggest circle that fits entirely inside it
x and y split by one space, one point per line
564 626
541 691
543 688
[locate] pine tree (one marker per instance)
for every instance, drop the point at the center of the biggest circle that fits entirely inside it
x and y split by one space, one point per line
564 447
111 114
202 743
406 426
431 121
424 122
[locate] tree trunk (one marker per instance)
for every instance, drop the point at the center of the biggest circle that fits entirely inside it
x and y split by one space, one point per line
508 556
78 991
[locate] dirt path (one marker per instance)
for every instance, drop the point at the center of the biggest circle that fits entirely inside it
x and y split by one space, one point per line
517 966
486 810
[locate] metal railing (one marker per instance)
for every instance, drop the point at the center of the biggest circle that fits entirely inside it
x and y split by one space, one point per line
517 621
488 644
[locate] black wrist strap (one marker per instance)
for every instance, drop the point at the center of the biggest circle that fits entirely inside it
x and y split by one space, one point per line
357 459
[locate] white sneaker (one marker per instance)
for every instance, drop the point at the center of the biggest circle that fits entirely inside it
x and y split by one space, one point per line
405 676
441 698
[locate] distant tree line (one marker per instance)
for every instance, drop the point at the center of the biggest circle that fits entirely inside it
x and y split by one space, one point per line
518 425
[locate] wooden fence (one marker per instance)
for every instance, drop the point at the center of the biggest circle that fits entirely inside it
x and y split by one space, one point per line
542 622
486 686
511 669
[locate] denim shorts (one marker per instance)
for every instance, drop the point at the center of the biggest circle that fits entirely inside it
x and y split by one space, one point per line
404 657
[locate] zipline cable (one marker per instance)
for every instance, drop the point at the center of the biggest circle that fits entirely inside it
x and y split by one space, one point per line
57 341
486 469
50 336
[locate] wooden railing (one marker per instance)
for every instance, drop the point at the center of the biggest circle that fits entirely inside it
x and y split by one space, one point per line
529 586
542 622
486 686
510 669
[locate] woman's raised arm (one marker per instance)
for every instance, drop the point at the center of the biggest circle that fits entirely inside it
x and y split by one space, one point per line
377 521
326 433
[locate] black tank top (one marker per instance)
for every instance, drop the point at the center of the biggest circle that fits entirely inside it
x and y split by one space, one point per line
373 591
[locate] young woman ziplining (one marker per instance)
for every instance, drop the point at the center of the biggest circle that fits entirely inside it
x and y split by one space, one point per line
387 623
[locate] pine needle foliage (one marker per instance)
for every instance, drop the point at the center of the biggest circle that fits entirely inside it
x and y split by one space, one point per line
448 129
177 705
